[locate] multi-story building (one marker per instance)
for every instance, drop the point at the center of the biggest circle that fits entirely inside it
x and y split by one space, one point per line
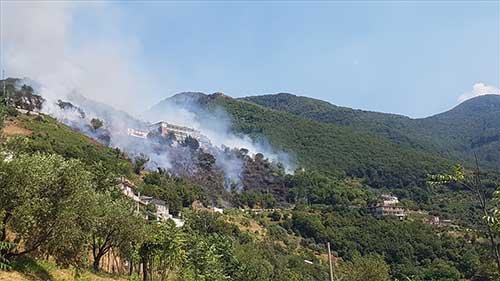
137 133
388 206
166 129
180 132
162 212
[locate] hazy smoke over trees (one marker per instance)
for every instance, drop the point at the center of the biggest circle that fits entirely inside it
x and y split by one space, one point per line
85 79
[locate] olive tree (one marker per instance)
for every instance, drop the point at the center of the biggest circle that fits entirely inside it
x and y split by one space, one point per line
46 202
116 225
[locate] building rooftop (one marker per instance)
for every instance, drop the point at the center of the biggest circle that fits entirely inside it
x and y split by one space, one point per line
172 126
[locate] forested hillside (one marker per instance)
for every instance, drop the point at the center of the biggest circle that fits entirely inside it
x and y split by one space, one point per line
472 127
334 150
267 245
61 208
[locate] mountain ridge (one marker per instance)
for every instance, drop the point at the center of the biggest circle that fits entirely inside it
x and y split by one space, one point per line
453 134
332 149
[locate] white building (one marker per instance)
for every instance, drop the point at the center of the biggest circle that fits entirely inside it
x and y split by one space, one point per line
162 212
218 210
137 133
127 188
389 206
389 199
180 132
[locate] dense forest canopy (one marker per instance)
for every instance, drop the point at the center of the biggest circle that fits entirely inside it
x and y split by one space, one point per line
471 127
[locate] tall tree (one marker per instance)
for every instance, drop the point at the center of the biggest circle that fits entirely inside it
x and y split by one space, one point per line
361 268
45 201
473 183
117 225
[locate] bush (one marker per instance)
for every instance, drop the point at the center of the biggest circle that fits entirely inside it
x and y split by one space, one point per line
275 216
277 232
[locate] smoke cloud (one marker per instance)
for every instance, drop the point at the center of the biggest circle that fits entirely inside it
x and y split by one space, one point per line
100 73
38 42
185 109
479 89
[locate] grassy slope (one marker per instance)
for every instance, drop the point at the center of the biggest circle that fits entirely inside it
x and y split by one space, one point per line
48 135
331 149
55 275
40 270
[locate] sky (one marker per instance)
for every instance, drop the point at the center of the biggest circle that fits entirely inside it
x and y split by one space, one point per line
410 58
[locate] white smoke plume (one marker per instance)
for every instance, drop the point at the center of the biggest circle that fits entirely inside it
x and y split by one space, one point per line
39 42
479 89
184 109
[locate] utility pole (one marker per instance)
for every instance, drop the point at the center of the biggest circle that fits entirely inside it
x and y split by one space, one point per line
138 199
330 261
4 93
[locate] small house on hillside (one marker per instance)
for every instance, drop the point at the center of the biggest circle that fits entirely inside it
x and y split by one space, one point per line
437 221
162 212
127 188
218 210
389 199
388 206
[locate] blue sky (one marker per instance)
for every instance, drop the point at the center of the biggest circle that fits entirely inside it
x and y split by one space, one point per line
412 58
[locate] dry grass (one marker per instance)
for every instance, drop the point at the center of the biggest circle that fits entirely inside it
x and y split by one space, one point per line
55 275
11 128
247 224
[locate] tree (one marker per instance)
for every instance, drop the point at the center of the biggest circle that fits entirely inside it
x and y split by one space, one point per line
206 161
140 163
46 202
362 268
473 183
116 226
441 270
191 142
96 123
254 265
167 251
206 256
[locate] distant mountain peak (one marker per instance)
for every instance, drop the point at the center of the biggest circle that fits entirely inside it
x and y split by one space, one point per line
186 96
485 103
217 95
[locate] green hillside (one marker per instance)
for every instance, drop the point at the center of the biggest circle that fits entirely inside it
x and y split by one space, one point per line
55 184
47 135
331 149
472 127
